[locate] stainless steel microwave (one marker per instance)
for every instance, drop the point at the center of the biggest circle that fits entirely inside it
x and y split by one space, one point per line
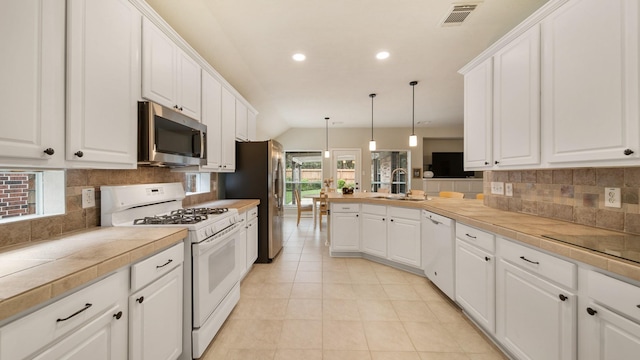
167 137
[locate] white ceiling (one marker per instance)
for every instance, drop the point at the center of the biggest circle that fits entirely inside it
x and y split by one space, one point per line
250 42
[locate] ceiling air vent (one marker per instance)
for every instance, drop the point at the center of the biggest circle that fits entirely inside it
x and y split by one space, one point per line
457 14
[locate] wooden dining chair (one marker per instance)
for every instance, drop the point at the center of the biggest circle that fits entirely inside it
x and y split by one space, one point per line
301 208
417 193
451 194
323 209
480 196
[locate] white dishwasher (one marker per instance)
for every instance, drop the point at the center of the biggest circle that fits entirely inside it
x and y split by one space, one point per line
438 238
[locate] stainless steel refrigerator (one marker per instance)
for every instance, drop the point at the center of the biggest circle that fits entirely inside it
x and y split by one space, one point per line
260 175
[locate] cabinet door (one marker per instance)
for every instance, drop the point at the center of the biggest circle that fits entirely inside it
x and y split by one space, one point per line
212 117
241 121
156 319
103 67
104 338
228 131
590 82
374 235
189 86
404 241
475 284
252 242
478 104
159 67
32 83
251 126
535 319
241 251
516 101
345 232
606 335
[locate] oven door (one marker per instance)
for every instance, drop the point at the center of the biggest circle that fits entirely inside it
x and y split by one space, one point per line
215 272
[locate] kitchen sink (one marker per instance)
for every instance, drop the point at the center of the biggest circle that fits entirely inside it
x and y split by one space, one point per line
397 197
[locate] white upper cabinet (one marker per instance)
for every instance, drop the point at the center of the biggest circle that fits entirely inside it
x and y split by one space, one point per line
590 82
103 67
228 159
169 76
242 133
32 36
478 98
516 101
212 117
251 125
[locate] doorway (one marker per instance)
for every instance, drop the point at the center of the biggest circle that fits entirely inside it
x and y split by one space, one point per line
346 169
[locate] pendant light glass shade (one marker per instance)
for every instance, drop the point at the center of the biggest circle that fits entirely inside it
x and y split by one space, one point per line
372 143
327 154
413 139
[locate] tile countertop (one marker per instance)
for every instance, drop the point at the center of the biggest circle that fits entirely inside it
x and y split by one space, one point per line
33 273
522 227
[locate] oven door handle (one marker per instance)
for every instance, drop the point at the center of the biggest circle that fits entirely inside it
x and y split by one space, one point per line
213 244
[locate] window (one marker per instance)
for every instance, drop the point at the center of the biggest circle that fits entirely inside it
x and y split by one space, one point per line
383 164
197 183
30 194
303 173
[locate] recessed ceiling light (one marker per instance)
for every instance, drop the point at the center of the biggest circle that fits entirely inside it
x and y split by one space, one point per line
382 55
299 57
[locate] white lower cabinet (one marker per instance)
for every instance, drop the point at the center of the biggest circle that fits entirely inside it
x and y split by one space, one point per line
252 237
608 319
241 247
88 324
345 227
374 230
403 236
155 324
475 280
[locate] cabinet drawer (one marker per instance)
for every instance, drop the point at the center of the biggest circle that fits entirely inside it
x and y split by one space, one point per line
345 207
31 333
548 266
145 271
476 237
374 209
399 212
618 295
252 214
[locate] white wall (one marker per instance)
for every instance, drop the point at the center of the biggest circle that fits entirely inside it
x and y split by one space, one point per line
386 139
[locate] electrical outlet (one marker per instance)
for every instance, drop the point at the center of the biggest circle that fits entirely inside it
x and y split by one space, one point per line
612 197
497 187
88 198
508 189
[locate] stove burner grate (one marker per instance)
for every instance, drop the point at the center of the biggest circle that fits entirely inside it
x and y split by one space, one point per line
170 219
200 211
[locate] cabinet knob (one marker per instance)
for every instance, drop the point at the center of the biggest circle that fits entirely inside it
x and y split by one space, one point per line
357 215
383 219
180 108
562 297
175 107
486 258
78 153
391 220
140 299
118 315
486 163
591 311
496 162
628 152
49 151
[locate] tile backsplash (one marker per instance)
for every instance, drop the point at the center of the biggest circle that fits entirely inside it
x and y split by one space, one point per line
575 195
77 218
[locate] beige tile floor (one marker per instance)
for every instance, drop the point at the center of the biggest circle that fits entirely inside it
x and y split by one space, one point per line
308 305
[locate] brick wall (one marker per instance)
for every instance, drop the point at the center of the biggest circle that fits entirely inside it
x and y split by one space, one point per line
17 194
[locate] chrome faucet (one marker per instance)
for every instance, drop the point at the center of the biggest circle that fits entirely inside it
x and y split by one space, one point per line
393 173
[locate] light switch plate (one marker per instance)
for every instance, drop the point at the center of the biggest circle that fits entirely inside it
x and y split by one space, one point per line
612 197
88 198
508 189
497 187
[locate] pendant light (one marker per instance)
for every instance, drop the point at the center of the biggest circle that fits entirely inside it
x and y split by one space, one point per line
413 139
372 143
326 150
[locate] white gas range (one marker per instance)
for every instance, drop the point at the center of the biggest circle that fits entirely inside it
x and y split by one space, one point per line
211 287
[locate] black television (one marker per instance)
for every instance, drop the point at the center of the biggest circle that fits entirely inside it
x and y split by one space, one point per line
449 165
